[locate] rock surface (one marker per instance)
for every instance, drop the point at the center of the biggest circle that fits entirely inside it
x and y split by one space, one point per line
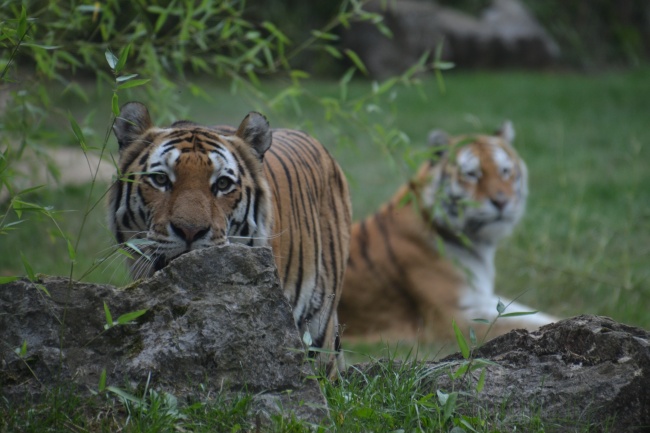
216 320
584 372
505 35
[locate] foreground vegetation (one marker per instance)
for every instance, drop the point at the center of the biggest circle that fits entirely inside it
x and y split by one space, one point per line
391 399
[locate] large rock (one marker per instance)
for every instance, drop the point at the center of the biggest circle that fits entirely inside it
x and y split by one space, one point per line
584 372
216 320
505 35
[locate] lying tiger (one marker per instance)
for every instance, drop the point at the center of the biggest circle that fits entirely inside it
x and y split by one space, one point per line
427 256
189 186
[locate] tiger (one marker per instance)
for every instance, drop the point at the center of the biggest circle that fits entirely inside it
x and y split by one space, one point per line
187 186
426 258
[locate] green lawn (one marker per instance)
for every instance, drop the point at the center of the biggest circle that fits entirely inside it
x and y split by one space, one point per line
583 246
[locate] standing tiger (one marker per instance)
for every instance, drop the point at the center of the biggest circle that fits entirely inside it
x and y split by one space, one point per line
188 186
427 256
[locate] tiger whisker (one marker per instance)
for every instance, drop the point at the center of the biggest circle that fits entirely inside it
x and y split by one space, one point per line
255 237
115 269
273 236
140 267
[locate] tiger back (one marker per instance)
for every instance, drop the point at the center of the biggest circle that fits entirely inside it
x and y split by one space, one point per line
189 186
426 258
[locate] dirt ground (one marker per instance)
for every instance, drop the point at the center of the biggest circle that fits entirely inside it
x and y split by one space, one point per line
57 168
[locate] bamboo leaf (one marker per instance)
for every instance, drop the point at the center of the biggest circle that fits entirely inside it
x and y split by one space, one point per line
519 313
5 280
461 370
125 396
276 32
442 397
41 46
125 77
481 381
385 86
472 336
129 317
77 132
22 350
102 380
125 253
115 105
109 317
124 55
28 268
111 59
450 406
326 36
460 339
22 23
29 190
71 251
43 289
356 60
133 83
333 51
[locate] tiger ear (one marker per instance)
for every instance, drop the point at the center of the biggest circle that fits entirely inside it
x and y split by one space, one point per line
439 143
133 120
507 131
255 131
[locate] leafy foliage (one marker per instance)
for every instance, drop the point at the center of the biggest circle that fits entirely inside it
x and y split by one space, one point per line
167 43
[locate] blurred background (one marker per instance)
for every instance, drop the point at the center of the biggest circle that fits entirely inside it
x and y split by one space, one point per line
369 79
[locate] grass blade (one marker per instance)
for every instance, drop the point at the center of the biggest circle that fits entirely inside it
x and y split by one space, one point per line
519 313
129 317
460 339
109 317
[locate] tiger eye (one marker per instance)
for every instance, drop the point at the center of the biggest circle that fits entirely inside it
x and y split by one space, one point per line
223 183
160 179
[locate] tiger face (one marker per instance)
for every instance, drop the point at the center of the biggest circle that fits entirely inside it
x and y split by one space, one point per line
187 187
481 187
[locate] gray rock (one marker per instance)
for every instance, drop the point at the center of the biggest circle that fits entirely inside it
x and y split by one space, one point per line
506 34
216 321
584 372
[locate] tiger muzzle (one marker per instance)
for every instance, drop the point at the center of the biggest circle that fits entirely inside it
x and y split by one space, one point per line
188 232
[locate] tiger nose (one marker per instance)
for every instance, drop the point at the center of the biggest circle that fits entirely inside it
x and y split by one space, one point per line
189 233
499 202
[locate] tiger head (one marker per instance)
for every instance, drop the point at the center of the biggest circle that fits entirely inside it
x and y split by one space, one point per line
478 186
187 187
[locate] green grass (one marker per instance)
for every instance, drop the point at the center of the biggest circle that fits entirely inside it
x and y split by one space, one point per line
386 395
581 248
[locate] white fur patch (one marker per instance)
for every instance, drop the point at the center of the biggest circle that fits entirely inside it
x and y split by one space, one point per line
503 161
223 166
469 164
167 160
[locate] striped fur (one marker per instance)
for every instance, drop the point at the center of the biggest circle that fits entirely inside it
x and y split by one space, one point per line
188 186
427 256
